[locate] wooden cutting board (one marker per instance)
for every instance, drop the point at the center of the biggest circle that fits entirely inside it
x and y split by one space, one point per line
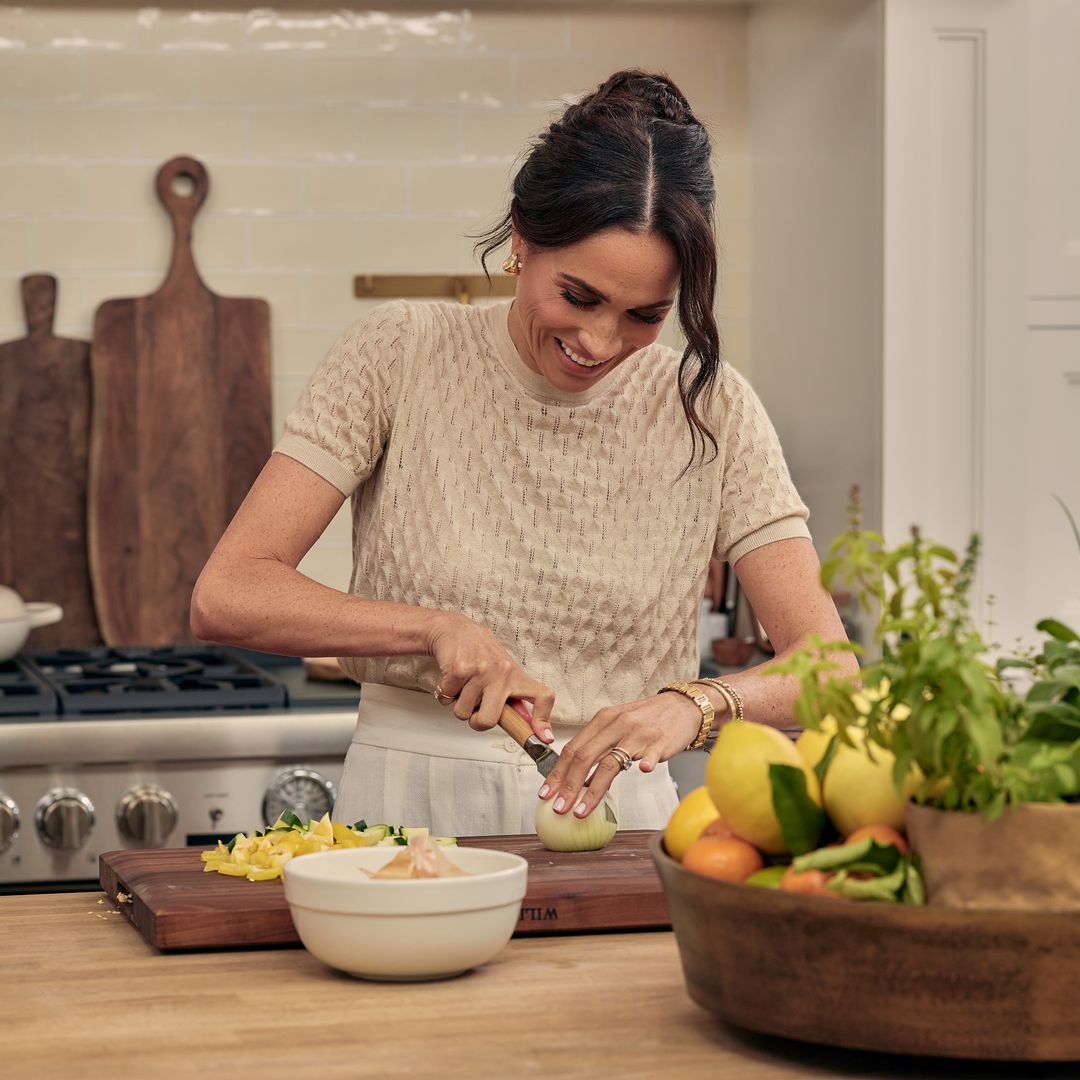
181 427
44 434
175 905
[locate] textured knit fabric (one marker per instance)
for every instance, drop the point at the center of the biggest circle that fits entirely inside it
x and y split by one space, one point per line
558 520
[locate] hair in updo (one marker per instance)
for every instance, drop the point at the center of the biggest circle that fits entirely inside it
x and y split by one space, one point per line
631 155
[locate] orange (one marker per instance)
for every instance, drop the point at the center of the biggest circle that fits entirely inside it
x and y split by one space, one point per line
724 857
808 882
717 827
883 834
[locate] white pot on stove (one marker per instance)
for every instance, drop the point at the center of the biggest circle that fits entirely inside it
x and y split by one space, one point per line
18 618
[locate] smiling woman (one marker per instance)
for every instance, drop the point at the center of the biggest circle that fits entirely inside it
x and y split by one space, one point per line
580 311
538 487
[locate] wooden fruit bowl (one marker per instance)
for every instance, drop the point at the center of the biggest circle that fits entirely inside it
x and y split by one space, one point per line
875 976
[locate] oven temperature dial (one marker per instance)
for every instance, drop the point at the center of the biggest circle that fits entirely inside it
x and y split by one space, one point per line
307 793
146 814
9 822
64 818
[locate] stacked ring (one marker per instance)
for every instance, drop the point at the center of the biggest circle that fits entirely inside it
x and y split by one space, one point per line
622 757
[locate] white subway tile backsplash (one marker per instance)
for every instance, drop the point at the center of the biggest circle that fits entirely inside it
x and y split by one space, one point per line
15 254
414 245
82 134
302 134
133 78
410 134
300 244
355 189
488 30
230 78
33 189
499 136
68 244
328 304
460 190
14 133
29 78
209 133
255 188
407 81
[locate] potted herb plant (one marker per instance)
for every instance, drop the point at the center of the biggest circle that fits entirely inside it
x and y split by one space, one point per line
998 800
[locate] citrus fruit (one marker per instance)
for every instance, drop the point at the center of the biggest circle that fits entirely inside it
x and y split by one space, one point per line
726 858
883 834
694 813
858 789
737 777
807 882
769 878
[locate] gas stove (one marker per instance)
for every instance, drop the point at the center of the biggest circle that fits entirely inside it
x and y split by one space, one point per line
108 748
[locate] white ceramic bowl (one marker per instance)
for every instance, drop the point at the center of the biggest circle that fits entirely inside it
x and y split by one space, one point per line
427 928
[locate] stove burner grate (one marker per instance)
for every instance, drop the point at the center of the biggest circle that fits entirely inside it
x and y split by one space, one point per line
92 682
24 695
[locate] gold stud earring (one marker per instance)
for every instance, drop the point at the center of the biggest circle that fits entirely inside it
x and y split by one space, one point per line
512 264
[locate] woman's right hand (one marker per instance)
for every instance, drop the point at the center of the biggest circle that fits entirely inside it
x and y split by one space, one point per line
481 676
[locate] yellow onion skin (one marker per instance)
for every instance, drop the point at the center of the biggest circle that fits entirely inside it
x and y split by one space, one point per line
565 832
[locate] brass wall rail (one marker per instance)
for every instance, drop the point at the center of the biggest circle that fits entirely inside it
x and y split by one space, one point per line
460 287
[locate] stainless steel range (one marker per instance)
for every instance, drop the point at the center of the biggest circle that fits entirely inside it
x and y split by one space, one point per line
104 748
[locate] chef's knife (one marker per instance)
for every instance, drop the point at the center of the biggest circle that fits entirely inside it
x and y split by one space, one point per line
515 725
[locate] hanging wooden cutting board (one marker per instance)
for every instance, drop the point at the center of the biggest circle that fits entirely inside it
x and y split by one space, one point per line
44 433
175 905
181 427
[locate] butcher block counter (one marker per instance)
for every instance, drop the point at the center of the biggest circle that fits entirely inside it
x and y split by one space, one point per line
87 997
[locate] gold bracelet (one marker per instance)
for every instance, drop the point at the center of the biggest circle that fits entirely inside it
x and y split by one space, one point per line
701 700
729 694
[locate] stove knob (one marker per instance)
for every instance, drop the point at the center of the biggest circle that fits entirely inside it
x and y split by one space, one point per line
146 814
9 822
64 818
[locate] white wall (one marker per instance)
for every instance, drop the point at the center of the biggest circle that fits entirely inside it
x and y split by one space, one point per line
815 128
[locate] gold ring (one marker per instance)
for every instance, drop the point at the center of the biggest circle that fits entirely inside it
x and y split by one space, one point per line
441 698
622 757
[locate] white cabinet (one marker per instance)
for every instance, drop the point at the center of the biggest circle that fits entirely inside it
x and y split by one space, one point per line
1053 155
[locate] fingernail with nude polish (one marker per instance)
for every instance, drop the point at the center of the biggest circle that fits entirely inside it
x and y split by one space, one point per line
547 735
581 809
560 805
544 792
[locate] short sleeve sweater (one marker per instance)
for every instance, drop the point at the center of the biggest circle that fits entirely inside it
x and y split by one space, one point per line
564 522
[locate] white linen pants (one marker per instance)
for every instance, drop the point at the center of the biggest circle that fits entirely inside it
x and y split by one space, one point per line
412 762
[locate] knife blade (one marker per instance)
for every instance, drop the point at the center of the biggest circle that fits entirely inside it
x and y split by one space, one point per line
519 729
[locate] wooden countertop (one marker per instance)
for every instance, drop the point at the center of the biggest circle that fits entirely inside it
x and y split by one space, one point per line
86 997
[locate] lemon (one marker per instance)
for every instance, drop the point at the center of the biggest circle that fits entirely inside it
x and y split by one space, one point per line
737 777
858 789
694 812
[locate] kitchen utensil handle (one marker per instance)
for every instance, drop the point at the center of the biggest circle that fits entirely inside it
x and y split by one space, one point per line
515 725
182 208
39 303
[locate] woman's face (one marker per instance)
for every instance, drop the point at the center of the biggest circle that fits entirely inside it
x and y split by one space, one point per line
580 311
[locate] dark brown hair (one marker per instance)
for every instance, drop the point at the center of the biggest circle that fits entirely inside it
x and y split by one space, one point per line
631 155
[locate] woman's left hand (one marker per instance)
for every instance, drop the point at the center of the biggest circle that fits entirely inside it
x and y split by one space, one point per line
651 730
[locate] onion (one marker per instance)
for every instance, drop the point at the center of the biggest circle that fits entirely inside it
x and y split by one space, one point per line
565 832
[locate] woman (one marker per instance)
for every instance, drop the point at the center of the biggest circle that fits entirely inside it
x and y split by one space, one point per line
537 488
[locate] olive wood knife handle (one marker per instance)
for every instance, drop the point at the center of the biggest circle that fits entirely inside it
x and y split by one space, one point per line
515 725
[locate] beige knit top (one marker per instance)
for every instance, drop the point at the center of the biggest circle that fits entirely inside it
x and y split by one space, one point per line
558 520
